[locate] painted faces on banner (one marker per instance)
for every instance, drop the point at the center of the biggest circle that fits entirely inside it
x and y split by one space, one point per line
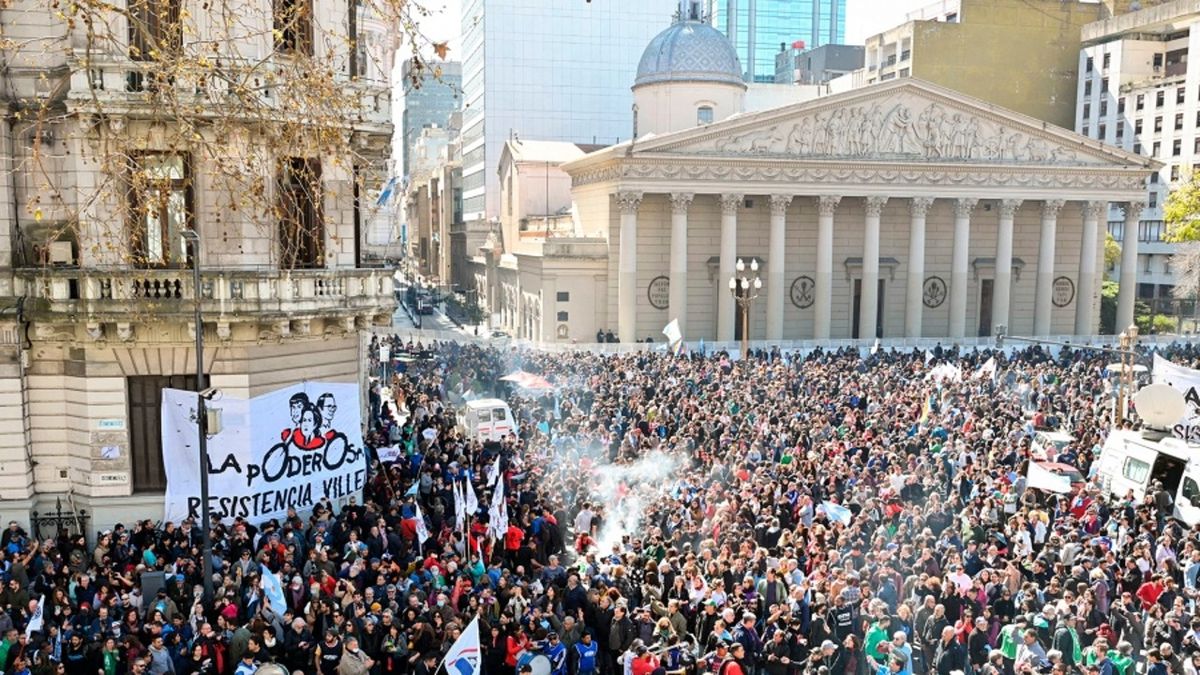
286 449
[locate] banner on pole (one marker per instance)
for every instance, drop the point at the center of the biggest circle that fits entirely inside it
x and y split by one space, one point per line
284 449
1187 382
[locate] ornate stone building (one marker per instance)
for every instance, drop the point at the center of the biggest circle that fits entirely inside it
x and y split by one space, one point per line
898 210
143 143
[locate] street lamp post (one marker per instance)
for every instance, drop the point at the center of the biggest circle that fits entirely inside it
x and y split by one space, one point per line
1127 340
744 290
201 420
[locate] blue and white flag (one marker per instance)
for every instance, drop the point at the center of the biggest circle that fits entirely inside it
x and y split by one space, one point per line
464 655
422 528
385 195
837 513
273 590
38 619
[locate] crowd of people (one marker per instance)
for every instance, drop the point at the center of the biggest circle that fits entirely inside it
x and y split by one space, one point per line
824 513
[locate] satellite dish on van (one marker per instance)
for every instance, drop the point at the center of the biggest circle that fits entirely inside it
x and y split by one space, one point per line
1159 405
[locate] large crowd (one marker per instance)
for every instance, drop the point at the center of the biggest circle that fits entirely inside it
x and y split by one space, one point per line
824 513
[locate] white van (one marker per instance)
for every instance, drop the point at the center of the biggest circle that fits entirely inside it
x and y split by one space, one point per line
486 419
1048 445
1133 461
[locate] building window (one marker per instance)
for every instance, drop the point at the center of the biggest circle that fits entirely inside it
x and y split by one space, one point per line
1156 149
1158 123
160 204
1158 61
1181 94
1153 200
301 226
1120 105
1178 121
293 26
1196 146
1101 132
1107 61
155 29
563 316
1177 148
1149 264
1160 97
1120 130
145 427
704 115
562 296
1141 101
1175 172
1090 65
1087 110
1085 131
904 72
1154 178
635 120
1087 88
1104 108
1104 86
1137 148
1137 126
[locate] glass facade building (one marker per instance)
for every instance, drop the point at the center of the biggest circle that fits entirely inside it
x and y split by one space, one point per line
758 27
567 78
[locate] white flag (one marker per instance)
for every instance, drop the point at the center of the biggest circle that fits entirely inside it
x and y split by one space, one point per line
37 620
497 513
464 656
1045 479
460 507
875 347
988 370
472 499
672 332
928 356
422 529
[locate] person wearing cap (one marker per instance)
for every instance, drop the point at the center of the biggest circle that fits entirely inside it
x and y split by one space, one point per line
556 652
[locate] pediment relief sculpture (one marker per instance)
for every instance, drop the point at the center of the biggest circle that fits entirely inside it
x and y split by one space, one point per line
898 128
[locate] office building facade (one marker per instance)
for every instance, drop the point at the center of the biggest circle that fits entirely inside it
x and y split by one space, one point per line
566 79
430 97
1138 91
756 28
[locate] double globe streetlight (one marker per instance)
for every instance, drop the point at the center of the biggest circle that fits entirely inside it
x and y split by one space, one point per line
744 289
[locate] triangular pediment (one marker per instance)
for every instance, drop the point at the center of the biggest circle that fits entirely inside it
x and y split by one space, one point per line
906 120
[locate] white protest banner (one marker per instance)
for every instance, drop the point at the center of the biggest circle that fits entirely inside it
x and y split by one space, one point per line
284 449
389 455
1045 479
1187 382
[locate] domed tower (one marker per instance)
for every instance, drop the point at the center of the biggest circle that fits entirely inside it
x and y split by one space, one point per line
689 75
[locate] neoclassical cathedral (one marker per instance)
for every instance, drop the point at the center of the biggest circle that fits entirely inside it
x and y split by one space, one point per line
902 209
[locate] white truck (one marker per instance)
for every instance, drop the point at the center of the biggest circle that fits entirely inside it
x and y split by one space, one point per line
486 419
1131 461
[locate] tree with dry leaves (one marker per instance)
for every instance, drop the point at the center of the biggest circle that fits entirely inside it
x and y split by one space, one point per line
265 126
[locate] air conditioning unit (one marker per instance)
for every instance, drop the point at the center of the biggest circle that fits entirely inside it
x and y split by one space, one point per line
62 253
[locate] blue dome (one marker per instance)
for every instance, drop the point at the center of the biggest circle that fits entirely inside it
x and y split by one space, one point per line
689 51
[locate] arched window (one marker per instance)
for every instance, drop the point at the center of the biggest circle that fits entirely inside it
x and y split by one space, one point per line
704 115
635 121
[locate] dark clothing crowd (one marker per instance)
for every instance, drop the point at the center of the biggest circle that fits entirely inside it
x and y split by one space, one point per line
801 513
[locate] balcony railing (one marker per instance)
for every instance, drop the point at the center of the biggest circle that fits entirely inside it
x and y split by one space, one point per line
118 83
224 293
